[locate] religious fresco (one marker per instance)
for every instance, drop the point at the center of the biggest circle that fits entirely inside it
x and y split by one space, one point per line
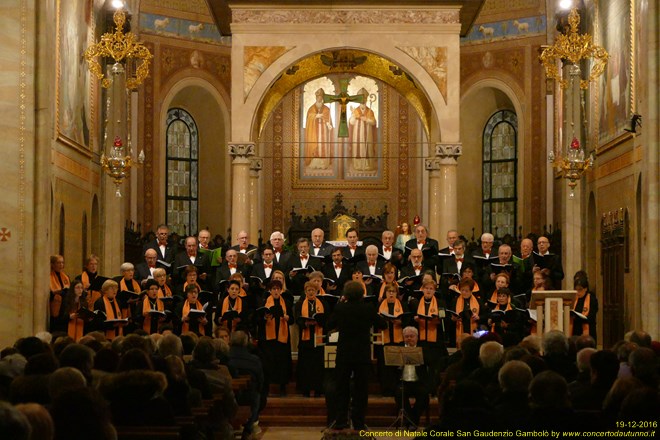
616 84
340 130
434 61
172 27
256 60
74 89
506 30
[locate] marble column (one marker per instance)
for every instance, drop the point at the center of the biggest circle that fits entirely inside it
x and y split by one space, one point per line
256 165
571 231
113 216
240 153
443 180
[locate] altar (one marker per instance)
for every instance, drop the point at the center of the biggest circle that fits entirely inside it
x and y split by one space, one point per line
370 226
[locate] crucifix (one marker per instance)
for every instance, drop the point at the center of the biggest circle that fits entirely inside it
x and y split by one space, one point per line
343 98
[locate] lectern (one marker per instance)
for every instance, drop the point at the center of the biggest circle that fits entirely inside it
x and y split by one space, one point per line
553 309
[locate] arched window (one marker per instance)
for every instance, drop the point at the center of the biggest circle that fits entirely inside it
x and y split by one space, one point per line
182 142
500 165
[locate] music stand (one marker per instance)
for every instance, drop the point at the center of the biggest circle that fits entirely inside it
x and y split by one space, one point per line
397 356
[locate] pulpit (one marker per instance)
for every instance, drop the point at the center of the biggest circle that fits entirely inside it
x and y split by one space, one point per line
553 310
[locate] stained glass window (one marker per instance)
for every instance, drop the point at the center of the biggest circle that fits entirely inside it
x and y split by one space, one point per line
500 165
181 172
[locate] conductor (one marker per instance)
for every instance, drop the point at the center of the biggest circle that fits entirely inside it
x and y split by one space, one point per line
353 318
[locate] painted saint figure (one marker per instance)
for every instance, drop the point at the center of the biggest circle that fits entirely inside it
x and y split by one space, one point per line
363 135
318 134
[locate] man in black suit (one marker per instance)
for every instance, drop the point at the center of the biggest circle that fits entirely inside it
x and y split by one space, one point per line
277 241
245 247
354 319
319 247
145 270
503 263
452 236
428 246
388 253
194 258
230 267
482 255
524 264
298 278
455 262
416 266
164 250
546 260
453 265
416 386
204 239
352 251
371 266
339 271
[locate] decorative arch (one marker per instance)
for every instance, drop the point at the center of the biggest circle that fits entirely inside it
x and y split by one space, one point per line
211 214
180 82
436 117
507 85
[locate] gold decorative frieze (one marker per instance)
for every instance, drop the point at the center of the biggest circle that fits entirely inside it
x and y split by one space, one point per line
327 16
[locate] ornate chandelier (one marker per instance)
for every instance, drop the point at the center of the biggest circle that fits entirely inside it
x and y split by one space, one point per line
572 48
129 61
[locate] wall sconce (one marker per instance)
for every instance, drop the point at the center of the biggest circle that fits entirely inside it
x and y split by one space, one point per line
129 60
572 48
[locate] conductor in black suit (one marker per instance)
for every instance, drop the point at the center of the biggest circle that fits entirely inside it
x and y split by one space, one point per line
354 319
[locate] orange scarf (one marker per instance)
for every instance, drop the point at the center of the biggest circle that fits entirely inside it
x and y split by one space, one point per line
398 327
497 307
56 299
586 308
238 306
199 289
304 312
110 313
168 291
76 326
136 289
92 295
186 310
428 331
146 308
283 332
381 294
474 308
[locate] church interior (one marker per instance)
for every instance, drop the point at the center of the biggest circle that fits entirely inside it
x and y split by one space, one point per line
466 128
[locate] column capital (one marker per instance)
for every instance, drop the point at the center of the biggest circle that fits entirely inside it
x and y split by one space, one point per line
432 163
256 165
240 151
448 152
